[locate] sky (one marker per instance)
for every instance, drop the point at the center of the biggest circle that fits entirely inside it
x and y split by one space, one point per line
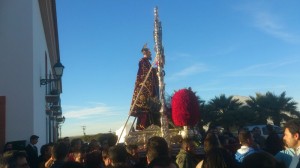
215 47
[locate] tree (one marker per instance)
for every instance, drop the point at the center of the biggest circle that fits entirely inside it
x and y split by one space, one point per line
278 108
222 110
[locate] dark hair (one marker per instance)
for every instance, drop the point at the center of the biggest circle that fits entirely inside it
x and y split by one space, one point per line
75 141
144 49
186 142
93 159
11 160
261 159
157 147
218 158
44 148
211 141
293 126
244 136
105 153
255 128
269 128
131 147
32 137
60 151
118 154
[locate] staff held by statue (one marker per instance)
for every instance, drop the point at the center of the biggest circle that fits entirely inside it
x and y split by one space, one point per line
160 61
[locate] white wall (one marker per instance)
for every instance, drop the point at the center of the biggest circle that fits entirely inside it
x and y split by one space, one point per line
39 50
22 52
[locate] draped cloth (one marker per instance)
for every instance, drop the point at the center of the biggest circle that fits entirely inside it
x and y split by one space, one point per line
142 107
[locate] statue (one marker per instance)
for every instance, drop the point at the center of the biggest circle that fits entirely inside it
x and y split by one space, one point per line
145 93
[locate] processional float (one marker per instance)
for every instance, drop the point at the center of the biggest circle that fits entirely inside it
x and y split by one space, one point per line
172 136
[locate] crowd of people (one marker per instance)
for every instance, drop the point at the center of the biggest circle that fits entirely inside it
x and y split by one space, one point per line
221 150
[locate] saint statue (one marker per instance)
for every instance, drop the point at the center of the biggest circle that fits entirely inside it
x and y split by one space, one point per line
145 93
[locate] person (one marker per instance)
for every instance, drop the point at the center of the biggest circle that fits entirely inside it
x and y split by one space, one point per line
258 138
157 153
134 158
45 155
291 139
3 163
118 157
218 158
285 156
32 151
16 159
75 151
187 155
211 140
93 159
59 155
246 148
8 149
261 159
145 90
273 142
105 158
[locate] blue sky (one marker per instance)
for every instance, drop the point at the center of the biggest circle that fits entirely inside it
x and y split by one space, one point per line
215 47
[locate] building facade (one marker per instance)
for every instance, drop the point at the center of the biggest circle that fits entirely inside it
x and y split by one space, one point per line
29 49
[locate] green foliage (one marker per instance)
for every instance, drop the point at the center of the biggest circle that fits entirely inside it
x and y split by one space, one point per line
229 112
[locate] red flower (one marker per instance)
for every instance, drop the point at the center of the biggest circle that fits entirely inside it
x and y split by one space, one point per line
185 108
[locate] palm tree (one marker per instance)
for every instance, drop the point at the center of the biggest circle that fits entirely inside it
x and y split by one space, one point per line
278 108
223 109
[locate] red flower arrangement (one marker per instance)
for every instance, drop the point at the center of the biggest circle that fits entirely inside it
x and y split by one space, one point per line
185 108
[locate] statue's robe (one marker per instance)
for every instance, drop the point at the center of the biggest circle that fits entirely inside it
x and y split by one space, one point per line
142 107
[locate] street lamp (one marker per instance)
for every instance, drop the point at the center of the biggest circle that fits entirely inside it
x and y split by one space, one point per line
58 70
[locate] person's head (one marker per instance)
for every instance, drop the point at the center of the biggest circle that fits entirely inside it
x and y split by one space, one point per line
16 160
245 137
146 52
66 140
93 159
291 136
76 145
60 151
94 145
219 158
270 128
132 149
156 147
105 158
8 147
211 141
34 139
118 155
256 131
261 159
46 151
189 145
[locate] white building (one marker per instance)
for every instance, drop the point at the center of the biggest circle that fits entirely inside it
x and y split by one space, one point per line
29 49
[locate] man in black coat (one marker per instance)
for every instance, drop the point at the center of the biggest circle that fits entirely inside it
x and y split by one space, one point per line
32 151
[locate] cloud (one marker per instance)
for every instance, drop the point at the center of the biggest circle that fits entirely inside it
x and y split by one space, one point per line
267 21
265 69
178 55
189 71
91 111
272 26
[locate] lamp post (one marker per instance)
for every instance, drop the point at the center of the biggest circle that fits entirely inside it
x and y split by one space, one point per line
58 70
60 121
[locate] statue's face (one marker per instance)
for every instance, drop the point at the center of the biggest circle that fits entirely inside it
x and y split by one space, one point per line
148 54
